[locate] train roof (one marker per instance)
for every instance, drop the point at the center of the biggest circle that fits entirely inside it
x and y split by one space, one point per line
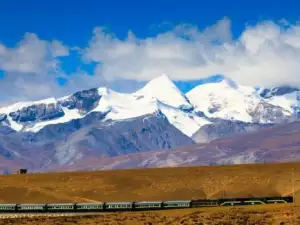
176 201
116 203
148 202
8 204
32 204
61 204
90 203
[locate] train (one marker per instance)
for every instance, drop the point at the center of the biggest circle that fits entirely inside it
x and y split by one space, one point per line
138 205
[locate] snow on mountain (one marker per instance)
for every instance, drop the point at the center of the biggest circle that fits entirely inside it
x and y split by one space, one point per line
15 114
68 116
277 91
286 97
163 89
225 100
159 95
287 101
230 101
123 106
187 123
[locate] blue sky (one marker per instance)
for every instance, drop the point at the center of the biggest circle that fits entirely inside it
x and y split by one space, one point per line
72 24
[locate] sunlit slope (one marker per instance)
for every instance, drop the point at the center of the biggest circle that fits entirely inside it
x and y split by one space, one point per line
152 184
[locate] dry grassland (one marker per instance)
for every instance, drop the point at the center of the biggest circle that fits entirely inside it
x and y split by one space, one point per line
151 184
161 184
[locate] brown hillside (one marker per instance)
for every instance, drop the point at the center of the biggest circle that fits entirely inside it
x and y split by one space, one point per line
151 184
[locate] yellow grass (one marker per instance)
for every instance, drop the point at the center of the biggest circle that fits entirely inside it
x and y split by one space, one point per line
161 184
151 184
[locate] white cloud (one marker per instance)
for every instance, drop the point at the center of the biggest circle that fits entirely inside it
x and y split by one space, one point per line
30 68
32 55
58 49
265 54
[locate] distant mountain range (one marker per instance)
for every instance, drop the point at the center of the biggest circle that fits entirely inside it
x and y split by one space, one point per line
280 143
104 123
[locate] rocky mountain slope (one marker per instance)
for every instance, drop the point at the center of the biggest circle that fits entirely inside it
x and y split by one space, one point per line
225 128
64 144
274 144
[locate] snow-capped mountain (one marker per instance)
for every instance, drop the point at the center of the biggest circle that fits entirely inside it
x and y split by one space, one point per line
230 101
225 100
100 122
159 94
285 96
164 90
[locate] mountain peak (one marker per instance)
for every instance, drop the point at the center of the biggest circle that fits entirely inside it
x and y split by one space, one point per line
159 84
162 79
165 76
163 89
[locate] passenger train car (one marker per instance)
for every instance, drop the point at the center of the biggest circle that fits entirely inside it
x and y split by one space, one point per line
138 206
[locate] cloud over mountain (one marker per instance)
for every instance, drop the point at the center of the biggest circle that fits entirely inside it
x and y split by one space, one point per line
264 54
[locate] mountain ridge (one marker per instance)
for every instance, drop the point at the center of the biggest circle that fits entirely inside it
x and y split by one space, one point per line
224 99
32 116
